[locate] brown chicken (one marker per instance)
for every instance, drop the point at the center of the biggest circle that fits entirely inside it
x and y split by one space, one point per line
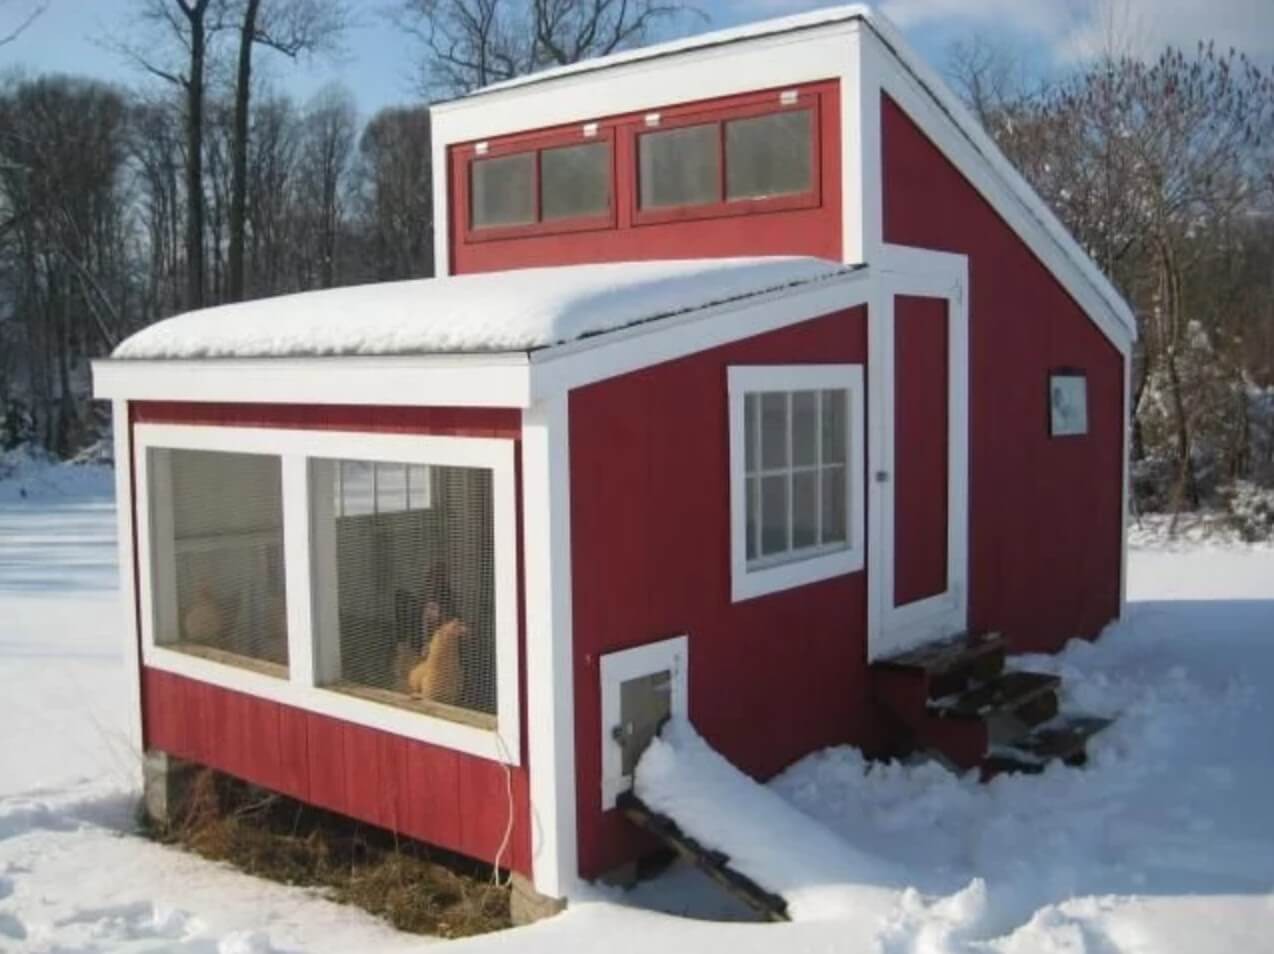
440 675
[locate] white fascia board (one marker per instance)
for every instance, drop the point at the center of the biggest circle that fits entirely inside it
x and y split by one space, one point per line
941 116
781 59
495 380
560 369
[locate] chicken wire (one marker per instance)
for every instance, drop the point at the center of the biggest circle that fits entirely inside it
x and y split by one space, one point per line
217 519
415 582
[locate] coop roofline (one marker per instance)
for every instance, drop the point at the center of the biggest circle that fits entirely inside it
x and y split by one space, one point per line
514 378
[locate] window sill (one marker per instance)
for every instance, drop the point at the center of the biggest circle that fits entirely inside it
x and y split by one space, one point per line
498 233
399 700
728 209
226 657
761 581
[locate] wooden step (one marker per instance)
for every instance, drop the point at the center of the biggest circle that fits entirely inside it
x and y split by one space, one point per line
1015 691
950 665
1064 739
714 864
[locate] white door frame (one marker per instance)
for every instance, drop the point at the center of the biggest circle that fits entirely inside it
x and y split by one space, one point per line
891 629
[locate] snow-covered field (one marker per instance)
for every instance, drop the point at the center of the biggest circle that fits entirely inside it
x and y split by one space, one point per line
1165 843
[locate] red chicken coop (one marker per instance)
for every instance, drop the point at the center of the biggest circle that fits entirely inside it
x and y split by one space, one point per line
752 373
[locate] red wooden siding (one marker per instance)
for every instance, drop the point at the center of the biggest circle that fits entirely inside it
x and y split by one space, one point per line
1045 516
415 789
423 791
770 678
811 230
920 448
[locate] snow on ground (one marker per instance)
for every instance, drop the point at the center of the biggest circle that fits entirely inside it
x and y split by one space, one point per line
1165 843
497 311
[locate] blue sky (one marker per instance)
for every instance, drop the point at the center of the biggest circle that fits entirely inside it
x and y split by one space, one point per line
378 63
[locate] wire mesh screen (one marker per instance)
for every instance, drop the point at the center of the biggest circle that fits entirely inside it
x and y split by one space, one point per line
415 582
217 521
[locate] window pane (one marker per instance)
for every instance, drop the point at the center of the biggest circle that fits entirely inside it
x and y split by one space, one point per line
835 513
805 509
418 488
680 166
415 596
391 488
805 428
356 488
503 190
773 515
749 432
224 592
835 415
753 506
575 181
769 155
773 430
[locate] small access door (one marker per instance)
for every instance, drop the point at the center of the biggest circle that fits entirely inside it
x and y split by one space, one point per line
918 468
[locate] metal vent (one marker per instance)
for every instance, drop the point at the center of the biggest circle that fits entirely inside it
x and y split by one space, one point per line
413 571
217 525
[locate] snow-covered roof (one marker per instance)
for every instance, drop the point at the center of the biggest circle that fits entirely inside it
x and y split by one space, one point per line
747 31
491 312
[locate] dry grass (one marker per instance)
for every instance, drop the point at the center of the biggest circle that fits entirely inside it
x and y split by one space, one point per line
413 887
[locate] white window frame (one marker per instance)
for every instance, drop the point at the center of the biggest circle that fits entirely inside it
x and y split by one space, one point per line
305 599
748 582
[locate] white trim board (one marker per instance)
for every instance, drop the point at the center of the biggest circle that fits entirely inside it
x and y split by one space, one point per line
134 736
550 653
301 689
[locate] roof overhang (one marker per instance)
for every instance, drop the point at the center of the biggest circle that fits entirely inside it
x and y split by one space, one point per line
504 379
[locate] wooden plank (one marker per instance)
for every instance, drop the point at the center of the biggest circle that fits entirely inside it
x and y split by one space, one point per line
714 864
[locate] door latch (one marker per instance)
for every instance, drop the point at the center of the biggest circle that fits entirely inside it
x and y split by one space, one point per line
882 476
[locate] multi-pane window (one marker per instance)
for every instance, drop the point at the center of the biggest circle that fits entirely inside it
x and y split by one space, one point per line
796 478
795 473
217 532
748 158
410 562
540 186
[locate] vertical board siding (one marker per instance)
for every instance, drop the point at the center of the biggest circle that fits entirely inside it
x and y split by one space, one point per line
806 231
771 678
1045 513
920 448
446 798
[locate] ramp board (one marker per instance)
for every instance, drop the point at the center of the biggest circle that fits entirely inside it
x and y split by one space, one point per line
714 864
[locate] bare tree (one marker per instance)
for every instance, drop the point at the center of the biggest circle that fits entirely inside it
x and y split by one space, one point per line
398 194
191 24
472 43
21 27
327 146
289 27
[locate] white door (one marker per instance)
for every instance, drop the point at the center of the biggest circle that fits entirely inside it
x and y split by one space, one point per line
918 458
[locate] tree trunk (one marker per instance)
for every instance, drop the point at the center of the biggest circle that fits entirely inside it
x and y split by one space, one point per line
194 164
239 151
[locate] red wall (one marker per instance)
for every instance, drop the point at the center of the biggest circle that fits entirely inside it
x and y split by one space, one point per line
804 231
920 448
1045 517
771 678
437 795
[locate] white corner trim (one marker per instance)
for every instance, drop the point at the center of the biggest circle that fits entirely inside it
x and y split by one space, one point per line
300 690
494 380
747 583
1125 490
550 654
619 667
134 736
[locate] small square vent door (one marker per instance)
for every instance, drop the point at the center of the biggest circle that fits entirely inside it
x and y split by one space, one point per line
642 688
